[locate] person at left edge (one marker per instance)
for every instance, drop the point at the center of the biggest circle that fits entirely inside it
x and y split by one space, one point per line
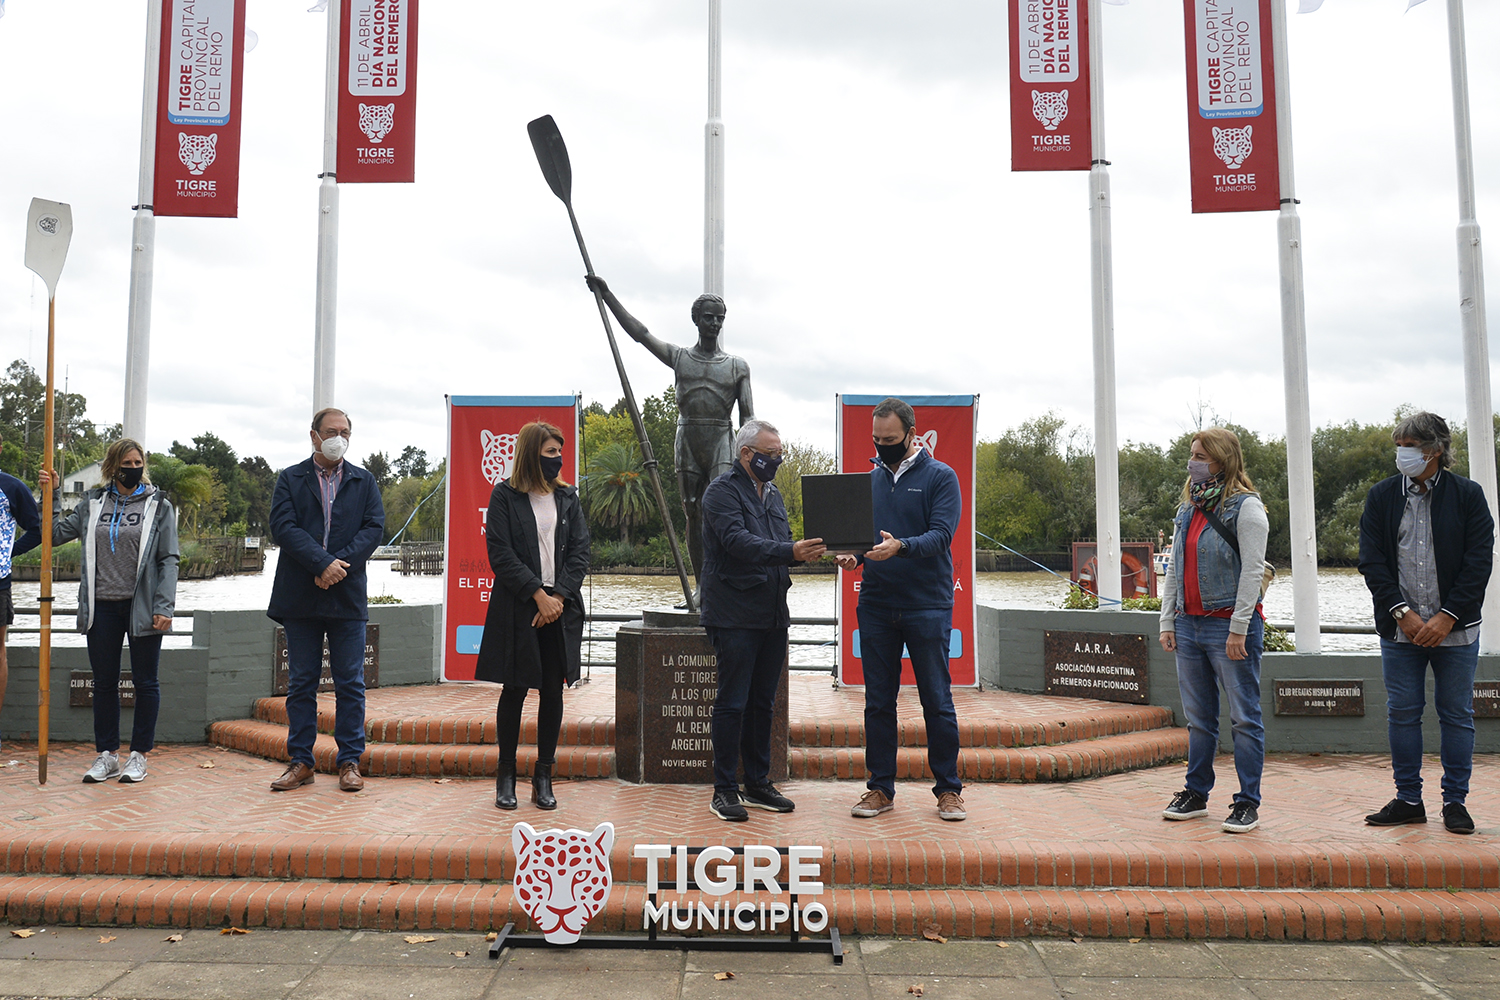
747 547
18 509
327 517
538 544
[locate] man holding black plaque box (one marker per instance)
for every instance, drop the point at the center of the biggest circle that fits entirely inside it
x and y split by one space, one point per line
906 599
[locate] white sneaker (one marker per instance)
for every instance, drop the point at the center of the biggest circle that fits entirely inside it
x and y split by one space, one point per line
106 766
134 769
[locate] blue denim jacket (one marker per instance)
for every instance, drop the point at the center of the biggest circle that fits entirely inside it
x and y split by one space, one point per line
1218 566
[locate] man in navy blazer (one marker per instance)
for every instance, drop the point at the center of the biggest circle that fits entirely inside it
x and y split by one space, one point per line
327 517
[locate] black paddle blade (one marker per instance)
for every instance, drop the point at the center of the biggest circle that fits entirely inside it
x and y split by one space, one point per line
552 155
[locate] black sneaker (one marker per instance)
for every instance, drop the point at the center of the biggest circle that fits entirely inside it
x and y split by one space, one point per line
1242 818
726 806
767 797
1186 805
1456 818
1397 813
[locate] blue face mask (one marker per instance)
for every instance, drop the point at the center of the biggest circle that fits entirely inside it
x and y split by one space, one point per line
764 466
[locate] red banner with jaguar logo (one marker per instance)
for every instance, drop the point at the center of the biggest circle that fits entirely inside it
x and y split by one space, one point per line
1231 85
198 108
1049 85
946 427
481 452
377 92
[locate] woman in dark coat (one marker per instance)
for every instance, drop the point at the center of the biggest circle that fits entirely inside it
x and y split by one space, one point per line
533 634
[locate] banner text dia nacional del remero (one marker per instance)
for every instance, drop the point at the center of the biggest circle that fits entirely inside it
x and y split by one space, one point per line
1049 85
377 92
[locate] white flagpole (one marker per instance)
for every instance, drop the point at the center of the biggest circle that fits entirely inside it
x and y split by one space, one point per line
143 243
326 322
1471 310
1299 471
713 160
1106 437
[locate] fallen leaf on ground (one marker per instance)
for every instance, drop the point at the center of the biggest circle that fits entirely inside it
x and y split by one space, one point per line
1078 940
207 764
418 939
915 991
934 932
442 781
1135 940
721 976
460 954
234 930
1002 944
107 938
174 938
22 933
492 936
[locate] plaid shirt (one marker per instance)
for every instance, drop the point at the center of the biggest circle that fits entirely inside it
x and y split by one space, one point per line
329 481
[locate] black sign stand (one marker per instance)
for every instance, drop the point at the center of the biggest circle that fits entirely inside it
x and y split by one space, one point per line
795 942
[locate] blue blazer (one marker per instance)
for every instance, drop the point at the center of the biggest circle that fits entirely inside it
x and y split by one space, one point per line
747 547
297 526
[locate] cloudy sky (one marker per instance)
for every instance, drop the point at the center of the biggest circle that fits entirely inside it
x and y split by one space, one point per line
877 240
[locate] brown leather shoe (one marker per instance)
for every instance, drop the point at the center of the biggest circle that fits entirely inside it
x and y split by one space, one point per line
296 775
349 779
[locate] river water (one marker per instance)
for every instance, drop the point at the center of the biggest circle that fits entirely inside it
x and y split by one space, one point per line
1343 600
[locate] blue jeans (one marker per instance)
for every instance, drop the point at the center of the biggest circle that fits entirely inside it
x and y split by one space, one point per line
107 632
1405 667
1202 666
750 665
925 633
304 657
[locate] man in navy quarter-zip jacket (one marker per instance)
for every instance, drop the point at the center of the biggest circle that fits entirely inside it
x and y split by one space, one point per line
906 598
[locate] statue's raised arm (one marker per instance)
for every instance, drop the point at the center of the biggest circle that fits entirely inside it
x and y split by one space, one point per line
632 326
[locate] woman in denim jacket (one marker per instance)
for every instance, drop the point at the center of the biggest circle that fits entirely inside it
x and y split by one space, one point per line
1211 617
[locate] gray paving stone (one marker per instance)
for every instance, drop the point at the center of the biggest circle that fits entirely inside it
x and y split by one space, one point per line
1121 959
278 947
778 963
968 988
523 960
956 958
775 987
1452 965
130 944
1404 989
375 948
1269 960
1154 989
533 985
208 981
56 977
378 982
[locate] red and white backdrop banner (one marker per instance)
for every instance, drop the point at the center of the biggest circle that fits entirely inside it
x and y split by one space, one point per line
1231 83
946 426
481 452
377 92
1049 85
198 108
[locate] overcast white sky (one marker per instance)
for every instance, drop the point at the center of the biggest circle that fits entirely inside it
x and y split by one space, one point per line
877 240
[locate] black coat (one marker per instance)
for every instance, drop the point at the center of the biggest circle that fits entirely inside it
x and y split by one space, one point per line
1463 538
747 547
297 526
509 652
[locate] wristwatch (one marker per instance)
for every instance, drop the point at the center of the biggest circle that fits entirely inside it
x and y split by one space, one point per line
905 549
1400 612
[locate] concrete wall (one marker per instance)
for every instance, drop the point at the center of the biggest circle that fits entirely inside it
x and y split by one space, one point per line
228 666
1011 655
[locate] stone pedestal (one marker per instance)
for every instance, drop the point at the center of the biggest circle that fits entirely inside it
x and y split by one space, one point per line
666 679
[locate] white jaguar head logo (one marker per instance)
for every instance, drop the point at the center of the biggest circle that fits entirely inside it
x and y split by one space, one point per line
1233 146
562 877
1050 107
929 442
375 120
499 456
197 152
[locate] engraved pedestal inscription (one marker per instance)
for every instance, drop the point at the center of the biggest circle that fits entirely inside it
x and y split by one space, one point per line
666 681
1102 665
1320 697
81 689
1487 699
325 683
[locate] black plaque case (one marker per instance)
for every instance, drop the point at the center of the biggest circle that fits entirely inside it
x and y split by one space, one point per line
840 510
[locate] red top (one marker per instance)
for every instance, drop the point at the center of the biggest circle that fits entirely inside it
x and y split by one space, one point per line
1192 600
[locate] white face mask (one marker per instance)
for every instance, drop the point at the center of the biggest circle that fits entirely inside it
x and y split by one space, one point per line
1410 461
333 448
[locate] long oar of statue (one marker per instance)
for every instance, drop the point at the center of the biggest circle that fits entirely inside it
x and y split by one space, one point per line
552 154
49 230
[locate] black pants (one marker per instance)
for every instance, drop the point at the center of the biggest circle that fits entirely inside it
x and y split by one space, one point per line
549 711
750 665
107 634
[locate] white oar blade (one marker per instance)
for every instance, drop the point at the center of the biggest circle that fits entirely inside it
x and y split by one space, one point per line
49 230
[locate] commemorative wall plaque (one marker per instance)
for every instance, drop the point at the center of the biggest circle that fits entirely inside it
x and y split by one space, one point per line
1487 699
325 683
667 677
1107 666
1320 697
81 689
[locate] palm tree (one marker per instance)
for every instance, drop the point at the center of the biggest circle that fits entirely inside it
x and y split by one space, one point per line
615 491
188 487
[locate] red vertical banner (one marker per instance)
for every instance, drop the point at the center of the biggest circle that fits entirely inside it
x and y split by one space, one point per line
1049 85
947 429
377 92
1231 84
481 452
198 108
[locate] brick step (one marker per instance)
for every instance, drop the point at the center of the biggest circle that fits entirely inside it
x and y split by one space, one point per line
471 728
428 760
1058 762
878 863
1061 727
1327 915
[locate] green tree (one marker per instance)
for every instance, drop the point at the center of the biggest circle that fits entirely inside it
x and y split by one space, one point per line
192 489
801 459
412 463
617 492
379 466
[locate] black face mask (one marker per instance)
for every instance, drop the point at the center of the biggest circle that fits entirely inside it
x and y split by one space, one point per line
764 466
130 478
892 454
552 466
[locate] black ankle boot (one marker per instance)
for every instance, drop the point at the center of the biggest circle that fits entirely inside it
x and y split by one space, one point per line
541 786
505 785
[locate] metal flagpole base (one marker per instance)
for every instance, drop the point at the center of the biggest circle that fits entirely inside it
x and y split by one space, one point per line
651 942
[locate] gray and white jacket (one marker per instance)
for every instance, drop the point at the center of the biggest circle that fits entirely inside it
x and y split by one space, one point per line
156 567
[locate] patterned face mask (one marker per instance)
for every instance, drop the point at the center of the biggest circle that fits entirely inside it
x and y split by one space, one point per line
1205 495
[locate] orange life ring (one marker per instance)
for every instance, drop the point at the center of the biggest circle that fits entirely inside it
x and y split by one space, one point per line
1133 575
